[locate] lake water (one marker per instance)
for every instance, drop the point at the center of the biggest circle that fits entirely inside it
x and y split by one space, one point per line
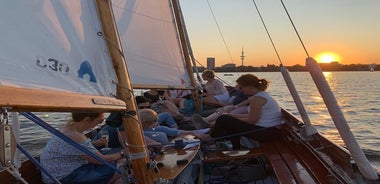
356 92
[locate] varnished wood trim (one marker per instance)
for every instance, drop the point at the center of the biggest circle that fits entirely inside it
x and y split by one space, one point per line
35 100
279 167
233 155
170 169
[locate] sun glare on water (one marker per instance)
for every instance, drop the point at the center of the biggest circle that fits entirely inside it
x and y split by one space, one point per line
327 57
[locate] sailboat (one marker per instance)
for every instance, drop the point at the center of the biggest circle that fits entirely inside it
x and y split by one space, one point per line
371 67
90 55
64 56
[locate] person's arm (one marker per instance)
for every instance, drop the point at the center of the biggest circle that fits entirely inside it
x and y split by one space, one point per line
242 104
230 108
166 96
219 87
255 104
109 158
99 142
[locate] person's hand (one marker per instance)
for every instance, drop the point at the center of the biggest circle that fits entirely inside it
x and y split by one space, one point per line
100 142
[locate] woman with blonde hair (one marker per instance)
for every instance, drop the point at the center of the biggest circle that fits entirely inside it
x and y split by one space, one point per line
216 94
148 118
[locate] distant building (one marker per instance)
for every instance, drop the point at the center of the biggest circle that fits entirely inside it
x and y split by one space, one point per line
229 65
210 63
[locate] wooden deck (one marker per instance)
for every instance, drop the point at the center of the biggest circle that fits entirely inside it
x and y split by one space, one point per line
170 169
29 172
287 162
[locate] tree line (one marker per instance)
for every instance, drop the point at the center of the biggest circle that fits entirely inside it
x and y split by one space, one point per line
333 66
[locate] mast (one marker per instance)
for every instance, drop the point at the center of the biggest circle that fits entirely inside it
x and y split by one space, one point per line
124 92
190 50
185 50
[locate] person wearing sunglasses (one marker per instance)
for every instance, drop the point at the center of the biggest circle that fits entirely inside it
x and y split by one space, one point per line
261 121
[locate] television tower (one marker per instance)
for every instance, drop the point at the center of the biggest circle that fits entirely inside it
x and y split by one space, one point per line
242 56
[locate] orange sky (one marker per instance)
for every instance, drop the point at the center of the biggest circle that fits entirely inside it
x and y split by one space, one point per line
348 29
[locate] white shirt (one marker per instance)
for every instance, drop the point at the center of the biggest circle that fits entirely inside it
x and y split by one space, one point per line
270 113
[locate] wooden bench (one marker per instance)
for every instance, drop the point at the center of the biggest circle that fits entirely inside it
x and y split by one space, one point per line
170 169
286 165
232 155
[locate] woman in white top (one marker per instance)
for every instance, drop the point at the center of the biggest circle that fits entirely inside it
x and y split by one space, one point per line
264 114
216 93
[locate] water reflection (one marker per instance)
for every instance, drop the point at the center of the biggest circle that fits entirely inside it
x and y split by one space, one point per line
334 136
331 80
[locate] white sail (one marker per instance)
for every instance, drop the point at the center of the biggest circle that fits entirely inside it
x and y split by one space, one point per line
54 45
150 43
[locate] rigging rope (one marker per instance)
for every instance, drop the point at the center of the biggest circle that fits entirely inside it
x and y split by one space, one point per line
295 29
220 32
15 173
308 129
54 131
225 82
336 114
36 163
266 29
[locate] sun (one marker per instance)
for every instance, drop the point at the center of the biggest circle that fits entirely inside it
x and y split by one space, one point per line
327 57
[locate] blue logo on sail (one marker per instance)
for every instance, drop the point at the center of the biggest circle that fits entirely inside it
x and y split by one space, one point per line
86 68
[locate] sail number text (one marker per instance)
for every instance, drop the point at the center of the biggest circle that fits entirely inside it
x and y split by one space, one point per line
53 64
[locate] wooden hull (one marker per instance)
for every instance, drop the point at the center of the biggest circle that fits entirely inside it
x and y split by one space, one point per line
28 171
291 159
287 160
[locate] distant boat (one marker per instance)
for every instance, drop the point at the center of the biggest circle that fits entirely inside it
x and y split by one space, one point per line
228 74
372 67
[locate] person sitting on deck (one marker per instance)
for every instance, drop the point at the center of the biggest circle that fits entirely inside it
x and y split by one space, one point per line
149 123
215 93
161 102
69 164
164 118
263 116
178 96
238 104
114 125
209 121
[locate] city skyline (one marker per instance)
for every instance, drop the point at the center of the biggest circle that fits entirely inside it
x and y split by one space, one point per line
341 31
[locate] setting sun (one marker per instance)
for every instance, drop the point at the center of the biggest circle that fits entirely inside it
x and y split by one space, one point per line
327 57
